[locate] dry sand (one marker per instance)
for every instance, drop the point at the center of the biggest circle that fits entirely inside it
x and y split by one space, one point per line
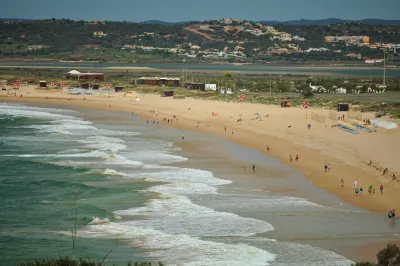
348 154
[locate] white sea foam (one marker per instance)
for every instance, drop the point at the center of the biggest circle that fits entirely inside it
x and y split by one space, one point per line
61 155
38 113
180 249
104 143
97 220
178 215
177 174
155 157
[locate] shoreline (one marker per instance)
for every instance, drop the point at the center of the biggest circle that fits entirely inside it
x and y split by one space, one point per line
248 137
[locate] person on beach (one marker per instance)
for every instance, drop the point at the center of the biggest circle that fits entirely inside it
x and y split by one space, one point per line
267 148
342 182
183 137
361 191
329 167
232 131
326 167
297 157
291 158
197 124
254 167
356 191
370 162
392 214
370 189
373 191
355 184
381 189
225 128
394 177
384 171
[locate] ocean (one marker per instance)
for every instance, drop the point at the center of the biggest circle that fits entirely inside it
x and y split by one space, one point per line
137 192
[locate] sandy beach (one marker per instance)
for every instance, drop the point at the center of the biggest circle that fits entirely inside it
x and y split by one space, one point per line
284 130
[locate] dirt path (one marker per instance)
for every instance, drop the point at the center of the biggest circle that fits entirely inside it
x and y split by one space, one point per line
198 33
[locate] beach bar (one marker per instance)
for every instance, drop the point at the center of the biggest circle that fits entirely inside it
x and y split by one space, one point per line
73 74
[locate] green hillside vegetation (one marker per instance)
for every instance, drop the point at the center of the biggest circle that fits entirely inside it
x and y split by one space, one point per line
74 40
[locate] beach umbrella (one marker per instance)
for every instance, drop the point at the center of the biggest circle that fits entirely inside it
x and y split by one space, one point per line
53 84
241 99
306 105
62 84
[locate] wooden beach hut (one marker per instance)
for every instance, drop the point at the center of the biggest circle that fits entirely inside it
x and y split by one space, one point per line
343 107
84 86
286 102
168 94
118 88
42 84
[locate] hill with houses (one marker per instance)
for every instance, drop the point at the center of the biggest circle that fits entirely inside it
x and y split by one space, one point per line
226 39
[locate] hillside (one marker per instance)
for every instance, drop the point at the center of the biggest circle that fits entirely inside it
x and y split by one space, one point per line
232 40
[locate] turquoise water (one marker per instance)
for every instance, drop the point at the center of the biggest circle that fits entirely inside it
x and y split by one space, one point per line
129 192
37 197
280 70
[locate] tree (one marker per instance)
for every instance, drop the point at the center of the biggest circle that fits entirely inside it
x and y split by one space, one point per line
228 75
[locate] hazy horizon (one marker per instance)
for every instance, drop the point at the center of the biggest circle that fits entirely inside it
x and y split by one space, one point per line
180 10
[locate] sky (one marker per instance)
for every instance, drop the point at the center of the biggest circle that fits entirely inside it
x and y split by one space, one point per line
199 10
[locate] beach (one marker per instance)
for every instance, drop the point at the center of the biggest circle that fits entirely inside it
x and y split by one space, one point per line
284 131
348 155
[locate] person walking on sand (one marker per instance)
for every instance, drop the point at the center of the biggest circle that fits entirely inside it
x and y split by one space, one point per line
370 189
326 167
232 131
329 167
361 191
342 182
225 128
356 191
297 157
291 158
355 184
267 148
381 189
254 167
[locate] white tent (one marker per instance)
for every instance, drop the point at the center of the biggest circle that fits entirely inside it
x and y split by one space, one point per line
74 72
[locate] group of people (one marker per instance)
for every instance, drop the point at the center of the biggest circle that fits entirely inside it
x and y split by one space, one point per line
392 214
359 191
327 167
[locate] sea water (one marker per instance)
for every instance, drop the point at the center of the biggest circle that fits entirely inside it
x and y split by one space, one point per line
120 184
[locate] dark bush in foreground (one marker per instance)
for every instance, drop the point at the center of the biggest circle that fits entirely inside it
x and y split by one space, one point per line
389 256
70 262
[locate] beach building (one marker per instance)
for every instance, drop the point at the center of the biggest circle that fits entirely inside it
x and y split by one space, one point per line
118 88
42 84
286 102
195 86
73 74
158 81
